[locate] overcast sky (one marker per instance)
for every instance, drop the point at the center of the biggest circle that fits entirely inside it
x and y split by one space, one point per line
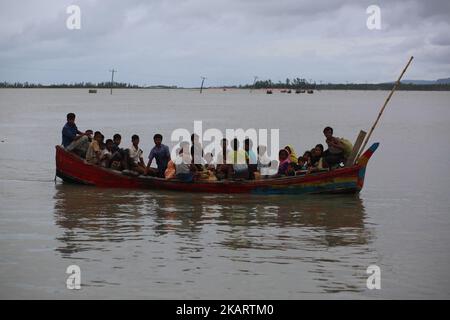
228 41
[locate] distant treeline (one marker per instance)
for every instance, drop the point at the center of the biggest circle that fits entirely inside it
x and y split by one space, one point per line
99 85
296 83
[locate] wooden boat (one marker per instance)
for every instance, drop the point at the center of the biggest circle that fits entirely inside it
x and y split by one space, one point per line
92 90
71 168
269 91
310 91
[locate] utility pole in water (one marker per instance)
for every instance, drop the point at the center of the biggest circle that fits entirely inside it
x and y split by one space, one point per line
254 82
201 86
112 78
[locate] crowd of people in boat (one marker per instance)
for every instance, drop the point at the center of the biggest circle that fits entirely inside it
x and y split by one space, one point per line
232 162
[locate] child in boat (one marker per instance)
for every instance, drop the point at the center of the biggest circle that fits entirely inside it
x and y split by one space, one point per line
307 156
136 161
292 154
209 169
290 169
283 167
301 164
185 170
117 139
238 158
106 155
93 154
316 154
266 166
119 158
317 163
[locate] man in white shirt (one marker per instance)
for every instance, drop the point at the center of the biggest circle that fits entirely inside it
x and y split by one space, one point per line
135 156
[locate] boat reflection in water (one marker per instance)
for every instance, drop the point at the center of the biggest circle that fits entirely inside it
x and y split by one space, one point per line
192 231
119 215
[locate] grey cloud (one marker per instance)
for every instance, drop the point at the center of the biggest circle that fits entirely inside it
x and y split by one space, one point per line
440 39
175 41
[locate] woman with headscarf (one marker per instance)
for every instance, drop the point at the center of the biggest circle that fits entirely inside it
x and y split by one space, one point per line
292 155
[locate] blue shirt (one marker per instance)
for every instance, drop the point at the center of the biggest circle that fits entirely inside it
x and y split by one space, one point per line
251 157
162 155
69 132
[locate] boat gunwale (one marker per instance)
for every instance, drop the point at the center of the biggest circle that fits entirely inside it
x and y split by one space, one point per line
287 180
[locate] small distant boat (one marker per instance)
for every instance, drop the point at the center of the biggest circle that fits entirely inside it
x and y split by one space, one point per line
310 91
289 91
298 91
283 90
269 91
92 90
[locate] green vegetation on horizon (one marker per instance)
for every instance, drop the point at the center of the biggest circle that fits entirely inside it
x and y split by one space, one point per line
302 84
87 85
261 84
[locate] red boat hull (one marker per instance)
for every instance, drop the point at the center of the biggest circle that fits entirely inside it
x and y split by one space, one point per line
74 169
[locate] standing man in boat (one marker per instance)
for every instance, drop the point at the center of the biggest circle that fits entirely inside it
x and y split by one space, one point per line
334 155
197 151
73 139
161 153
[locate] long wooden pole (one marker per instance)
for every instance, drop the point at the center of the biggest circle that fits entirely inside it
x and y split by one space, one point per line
384 106
201 86
112 79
